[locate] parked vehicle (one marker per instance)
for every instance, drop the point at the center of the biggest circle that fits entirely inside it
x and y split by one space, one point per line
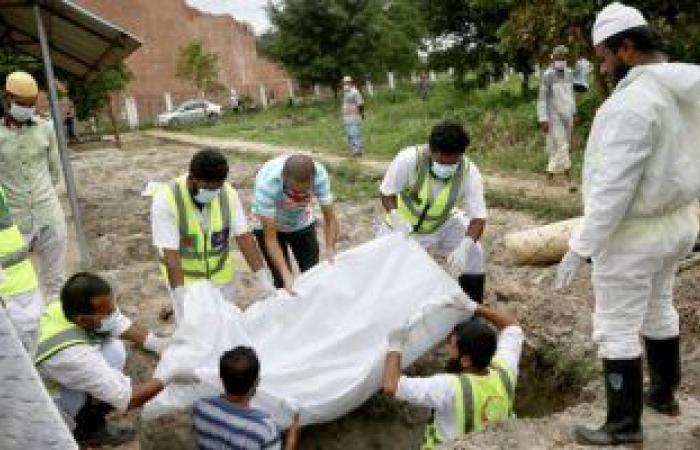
189 112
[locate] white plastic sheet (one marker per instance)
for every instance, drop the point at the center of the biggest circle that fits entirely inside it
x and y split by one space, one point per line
321 352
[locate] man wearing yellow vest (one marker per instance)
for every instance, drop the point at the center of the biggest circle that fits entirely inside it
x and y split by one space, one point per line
80 357
480 384
422 191
193 219
19 288
30 168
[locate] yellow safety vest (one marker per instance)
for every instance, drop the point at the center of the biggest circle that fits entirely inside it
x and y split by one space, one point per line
57 333
204 257
479 400
416 203
14 256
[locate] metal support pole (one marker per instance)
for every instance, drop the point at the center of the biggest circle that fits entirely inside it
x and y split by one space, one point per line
85 261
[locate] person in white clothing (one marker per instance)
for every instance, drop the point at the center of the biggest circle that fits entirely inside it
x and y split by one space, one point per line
435 193
479 385
193 220
641 182
81 356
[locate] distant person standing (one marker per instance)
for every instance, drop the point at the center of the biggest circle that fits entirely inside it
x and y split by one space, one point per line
353 113
30 168
423 86
234 101
556 108
69 123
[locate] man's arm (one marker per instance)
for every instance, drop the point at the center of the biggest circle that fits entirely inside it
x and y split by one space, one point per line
389 202
476 229
331 229
392 373
498 319
249 248
173 267
292 441
143 392
542 97
274 249
53 155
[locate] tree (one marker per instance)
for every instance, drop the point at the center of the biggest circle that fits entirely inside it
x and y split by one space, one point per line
198 66
403 31
91 97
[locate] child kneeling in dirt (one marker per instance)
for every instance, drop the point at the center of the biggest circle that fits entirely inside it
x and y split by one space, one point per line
229 421
479 387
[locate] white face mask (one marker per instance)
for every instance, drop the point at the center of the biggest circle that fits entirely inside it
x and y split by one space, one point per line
560 65
443 171
206 195
109 323
21 113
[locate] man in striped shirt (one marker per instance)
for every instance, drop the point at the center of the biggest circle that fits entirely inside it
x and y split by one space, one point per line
228 421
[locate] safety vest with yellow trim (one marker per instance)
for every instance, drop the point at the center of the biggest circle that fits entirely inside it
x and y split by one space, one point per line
57 333
416 203
204 256
14 256
479 400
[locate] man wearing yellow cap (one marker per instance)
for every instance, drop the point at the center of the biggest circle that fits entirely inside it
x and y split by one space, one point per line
30 171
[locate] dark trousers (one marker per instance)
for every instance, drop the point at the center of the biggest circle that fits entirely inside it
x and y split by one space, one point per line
303 243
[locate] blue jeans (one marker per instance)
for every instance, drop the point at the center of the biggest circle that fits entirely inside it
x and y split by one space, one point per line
354 135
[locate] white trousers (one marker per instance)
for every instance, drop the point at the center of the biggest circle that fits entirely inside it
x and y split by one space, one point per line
558 143
633 291
24 311
50 245
70 401
446 239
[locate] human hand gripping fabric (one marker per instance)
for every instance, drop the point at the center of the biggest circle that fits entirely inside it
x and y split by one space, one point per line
397 339
398 223
457 260
567 269
265 282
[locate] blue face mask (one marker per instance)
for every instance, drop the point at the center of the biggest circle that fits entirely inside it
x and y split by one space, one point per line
443 171
109 323
206 195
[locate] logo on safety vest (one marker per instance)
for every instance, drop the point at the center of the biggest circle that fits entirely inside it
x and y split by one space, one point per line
188 241
492 410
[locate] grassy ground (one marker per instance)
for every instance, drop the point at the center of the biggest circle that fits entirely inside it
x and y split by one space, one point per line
505 135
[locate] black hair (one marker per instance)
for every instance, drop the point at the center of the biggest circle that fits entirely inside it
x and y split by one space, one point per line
239 369
80 290
477 340
209 164
644 38
449 136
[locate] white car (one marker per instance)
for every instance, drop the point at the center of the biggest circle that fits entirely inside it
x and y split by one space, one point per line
190 111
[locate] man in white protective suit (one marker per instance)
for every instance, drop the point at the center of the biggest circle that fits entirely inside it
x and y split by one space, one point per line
556 108
641 179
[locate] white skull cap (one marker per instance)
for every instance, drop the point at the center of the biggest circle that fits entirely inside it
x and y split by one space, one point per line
614 19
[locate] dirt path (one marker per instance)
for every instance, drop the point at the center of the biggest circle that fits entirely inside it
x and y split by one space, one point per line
531 186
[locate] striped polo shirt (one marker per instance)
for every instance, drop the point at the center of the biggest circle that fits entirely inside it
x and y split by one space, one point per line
270 199
220 424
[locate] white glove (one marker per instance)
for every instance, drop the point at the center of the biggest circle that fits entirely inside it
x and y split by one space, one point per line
399 224
155 344
265 281
397 339
464 302
457 260
179 375
567 269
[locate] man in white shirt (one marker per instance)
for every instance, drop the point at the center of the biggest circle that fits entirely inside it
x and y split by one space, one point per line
81 356
422 192
480 384
353 114
193 219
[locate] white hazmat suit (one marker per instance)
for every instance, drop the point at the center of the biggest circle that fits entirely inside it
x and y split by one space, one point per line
641 179
556 105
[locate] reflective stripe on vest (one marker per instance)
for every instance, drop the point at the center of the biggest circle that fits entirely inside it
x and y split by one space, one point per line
469 391
417 205
57 333
199 260
14 257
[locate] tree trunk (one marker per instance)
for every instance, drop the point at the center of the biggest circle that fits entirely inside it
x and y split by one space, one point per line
113 120
525 84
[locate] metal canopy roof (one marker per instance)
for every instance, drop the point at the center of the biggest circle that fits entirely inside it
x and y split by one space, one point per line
81 43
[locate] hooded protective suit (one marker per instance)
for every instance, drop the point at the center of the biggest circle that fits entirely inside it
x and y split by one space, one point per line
557 106
641 178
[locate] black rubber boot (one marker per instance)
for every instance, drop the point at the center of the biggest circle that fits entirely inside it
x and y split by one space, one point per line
664 363
91 427
623 389
473 285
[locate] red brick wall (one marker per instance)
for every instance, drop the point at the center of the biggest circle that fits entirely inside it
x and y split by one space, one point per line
164 26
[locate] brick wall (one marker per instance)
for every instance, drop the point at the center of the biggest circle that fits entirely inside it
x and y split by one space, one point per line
166 25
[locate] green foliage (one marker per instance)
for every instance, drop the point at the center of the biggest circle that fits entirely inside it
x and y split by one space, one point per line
11 61
90 97
198 66
319 41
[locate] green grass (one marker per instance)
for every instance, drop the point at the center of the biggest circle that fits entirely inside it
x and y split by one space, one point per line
503 126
